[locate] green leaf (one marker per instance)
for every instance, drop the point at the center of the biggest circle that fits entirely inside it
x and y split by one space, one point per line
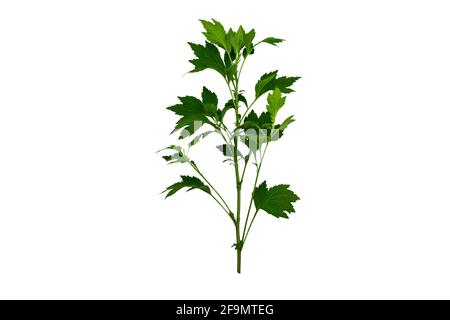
278 131
210 101
209 97
242 99
194 112
273 41
265 83
257 130
269 81
186 182
215 33
276 201
207 57
230 105
283 83
252 120
236 39
190 124
189 105
230 67
274 103
286 122
248 41
193 116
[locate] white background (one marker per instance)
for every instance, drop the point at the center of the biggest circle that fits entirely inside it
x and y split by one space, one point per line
83 91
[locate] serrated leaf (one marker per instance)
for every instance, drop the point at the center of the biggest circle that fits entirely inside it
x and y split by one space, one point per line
209 97
276 200
274 103
192 112
215 33
273 41
284 83
189 105
248 42
187 182
190 124
210 101
236 39
252 120
269 81
257 130
207 57
264 83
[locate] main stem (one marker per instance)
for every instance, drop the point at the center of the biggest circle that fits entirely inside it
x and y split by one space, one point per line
238 180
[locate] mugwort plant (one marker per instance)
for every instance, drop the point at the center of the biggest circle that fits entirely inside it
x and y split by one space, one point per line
245 140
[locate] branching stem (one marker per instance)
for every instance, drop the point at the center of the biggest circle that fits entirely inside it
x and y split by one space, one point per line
224 204
245 233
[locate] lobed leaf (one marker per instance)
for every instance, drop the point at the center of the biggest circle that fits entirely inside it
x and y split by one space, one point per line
195 112
269 81
277 200
252 120
187 182
274 103
257 130
236 39
207 57
189 105
215 33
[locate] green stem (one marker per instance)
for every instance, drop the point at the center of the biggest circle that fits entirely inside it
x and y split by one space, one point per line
248 109
238 178
251 200
240 69
244 237
227 209
243 171
237 175
239 260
